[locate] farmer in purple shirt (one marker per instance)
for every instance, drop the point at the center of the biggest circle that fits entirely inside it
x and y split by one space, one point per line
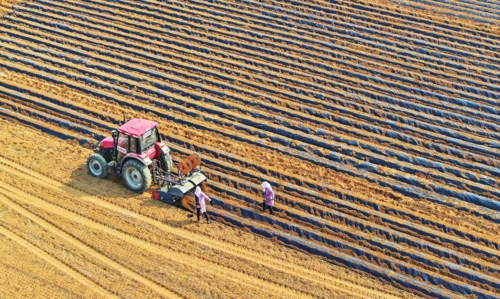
200 206
268 198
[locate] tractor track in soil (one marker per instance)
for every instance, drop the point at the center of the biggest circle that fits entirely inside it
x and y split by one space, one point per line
59 232
213 269
53 261
20 272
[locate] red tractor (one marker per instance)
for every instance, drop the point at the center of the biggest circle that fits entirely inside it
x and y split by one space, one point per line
136 152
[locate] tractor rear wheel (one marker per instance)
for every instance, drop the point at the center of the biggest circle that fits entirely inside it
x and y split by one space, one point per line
136 176
97 166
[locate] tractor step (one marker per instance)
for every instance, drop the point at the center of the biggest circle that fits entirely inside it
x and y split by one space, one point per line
112 167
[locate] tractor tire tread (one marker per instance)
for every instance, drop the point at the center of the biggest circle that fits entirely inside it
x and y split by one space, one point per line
102 162
144 171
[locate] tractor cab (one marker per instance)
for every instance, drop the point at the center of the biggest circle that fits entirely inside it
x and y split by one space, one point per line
136 152
136 138
137 135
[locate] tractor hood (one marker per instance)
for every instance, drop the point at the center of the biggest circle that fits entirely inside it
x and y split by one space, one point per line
107 142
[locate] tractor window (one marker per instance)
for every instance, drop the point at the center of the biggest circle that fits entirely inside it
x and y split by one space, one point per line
124 145
123 142
133 144
148 139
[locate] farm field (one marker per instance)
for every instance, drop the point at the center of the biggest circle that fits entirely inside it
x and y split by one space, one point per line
377 123
95 239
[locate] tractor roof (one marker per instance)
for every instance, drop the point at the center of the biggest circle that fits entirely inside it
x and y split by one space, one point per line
136 127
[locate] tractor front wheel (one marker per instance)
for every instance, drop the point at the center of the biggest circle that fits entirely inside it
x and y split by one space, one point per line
97 166
136 176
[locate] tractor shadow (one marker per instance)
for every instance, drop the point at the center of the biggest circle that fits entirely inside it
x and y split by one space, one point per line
83 184
186 204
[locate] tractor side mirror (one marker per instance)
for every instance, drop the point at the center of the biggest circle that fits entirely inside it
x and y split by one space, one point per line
114 133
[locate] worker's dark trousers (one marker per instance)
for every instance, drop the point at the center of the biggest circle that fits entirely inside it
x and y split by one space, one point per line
271 209
204 213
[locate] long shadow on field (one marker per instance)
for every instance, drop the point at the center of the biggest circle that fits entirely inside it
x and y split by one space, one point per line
111 186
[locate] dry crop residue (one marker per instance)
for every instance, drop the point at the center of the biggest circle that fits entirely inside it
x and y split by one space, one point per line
377 122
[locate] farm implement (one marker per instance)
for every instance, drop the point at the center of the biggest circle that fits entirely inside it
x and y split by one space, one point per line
136 152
